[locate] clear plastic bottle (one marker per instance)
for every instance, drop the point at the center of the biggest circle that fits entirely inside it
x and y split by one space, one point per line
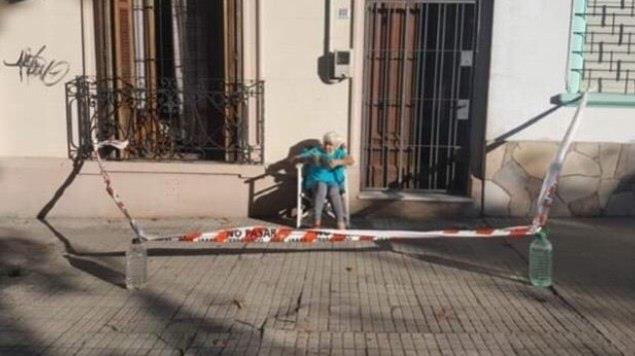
136 266
540 261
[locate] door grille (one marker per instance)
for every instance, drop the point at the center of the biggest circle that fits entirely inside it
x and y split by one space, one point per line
419 60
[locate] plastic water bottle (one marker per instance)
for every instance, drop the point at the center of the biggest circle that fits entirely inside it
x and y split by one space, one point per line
136 266
540 264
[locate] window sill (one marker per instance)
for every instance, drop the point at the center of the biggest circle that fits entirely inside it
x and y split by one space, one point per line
411 196
175 167
598 100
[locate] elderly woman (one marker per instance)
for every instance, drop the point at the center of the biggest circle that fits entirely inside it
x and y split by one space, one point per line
324 175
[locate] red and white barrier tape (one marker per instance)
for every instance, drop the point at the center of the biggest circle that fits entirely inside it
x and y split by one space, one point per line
120 145
265 234
550 183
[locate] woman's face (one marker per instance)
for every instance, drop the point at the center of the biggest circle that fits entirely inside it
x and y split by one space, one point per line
328 147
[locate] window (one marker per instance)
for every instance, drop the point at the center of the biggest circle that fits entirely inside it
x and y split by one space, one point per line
602 51
171 80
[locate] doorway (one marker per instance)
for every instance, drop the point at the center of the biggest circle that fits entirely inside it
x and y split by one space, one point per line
418 95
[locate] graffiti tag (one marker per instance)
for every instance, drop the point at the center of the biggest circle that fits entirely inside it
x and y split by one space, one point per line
29 64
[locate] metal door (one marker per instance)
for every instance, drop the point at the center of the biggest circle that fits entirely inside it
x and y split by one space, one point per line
419 57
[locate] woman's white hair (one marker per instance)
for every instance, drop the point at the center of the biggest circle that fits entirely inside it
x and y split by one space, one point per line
333 138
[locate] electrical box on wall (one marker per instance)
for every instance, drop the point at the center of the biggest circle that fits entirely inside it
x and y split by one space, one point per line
341 64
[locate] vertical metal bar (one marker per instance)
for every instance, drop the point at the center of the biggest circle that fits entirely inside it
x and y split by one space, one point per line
421 77
70 139
366 94
453 101
456 123
435 99
83 114
415 97
440 98
431 162
404 63
386 85
374 92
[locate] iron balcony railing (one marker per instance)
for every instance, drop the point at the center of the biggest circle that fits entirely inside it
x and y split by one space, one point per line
167 119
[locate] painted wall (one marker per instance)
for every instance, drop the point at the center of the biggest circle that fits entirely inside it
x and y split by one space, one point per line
529 61
29 186
41 50
299 105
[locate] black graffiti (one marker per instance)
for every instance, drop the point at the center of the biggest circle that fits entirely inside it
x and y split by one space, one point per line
50 72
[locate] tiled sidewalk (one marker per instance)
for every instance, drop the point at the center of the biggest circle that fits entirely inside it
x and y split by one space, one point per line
61 293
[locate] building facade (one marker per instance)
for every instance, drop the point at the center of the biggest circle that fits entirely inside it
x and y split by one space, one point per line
450 108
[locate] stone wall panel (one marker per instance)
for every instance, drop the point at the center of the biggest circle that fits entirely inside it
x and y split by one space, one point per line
597 179
535 157
609 155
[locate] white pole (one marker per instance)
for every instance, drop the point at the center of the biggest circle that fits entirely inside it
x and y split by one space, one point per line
347 200
298 218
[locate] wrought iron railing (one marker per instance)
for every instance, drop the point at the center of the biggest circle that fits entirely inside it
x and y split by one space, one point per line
167 120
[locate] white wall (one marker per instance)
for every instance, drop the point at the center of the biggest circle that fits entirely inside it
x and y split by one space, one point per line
32 115
529 61
298 104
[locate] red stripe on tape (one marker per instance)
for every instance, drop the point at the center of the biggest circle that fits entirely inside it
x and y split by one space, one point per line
366 238
192 236
337 238
485 231
310 236
519 231
451 231
281 235
222 236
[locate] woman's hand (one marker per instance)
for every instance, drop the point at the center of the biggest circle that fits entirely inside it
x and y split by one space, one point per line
334 163
347 161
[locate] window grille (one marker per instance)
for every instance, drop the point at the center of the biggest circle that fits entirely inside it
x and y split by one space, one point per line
419 66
